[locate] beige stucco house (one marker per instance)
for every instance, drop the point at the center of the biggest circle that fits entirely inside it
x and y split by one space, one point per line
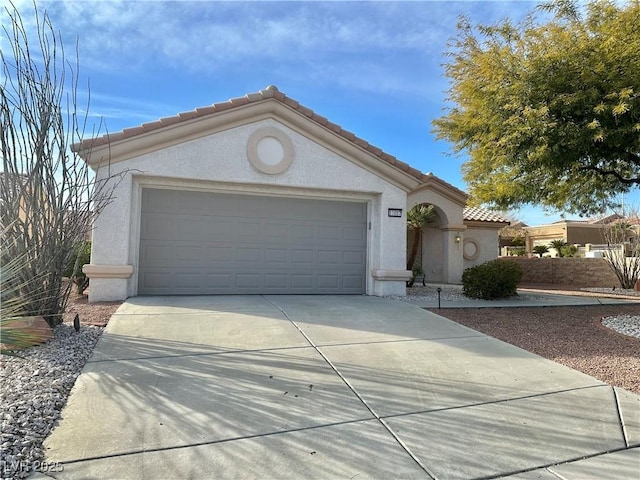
573 232
260 195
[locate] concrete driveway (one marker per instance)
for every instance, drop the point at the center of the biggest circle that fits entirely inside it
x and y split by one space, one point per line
331 387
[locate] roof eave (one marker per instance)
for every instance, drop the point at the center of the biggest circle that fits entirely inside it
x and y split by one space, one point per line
135 142
486 224
445 189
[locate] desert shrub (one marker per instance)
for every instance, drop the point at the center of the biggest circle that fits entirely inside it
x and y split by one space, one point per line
540 250
519 252
491 280
569 251
81 256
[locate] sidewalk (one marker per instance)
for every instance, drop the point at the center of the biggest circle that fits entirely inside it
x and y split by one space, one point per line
528 296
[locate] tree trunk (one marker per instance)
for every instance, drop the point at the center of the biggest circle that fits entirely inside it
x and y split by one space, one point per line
414 248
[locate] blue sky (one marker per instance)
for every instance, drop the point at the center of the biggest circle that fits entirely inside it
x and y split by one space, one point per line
375 68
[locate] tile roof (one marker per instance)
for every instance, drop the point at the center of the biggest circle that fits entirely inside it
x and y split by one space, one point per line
271 92
477 214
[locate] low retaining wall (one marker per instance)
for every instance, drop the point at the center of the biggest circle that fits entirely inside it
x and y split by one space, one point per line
577 272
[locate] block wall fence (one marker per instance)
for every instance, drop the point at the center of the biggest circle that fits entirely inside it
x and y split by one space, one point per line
576 272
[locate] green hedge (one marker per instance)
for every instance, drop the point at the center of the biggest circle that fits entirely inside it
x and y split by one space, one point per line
492 280
82 250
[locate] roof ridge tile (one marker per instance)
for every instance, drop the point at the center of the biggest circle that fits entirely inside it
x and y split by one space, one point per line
270 92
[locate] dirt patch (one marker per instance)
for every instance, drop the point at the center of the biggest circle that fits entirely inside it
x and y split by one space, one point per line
97 313
572 336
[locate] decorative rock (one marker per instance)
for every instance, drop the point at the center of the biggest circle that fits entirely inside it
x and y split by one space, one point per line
625 324
33 391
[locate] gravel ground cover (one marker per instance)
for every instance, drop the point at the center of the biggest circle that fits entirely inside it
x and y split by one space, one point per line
34 387
572 336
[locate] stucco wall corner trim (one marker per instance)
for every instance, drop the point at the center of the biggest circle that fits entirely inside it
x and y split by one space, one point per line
391 275
107 271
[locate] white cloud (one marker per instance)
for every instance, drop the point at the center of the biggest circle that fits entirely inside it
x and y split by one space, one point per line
199 35
370 46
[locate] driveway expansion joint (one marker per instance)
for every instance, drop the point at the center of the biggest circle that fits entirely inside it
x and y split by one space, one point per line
551 465
400 340
355 392
623 429
198 354
213 442
492 402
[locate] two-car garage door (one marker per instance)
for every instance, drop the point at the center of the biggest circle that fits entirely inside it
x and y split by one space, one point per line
214 243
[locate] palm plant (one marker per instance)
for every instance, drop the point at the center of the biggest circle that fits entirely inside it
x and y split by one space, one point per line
558 245
417 218
540 250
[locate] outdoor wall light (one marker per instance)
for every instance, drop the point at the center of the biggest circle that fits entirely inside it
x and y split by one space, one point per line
457 238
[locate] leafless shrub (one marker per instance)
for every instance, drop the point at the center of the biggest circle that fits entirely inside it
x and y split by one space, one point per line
49 197
623 249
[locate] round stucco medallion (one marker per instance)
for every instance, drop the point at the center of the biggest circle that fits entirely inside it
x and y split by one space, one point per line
470 249
270 150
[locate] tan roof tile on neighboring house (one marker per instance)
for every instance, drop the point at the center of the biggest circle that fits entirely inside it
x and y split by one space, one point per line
271 92
477 214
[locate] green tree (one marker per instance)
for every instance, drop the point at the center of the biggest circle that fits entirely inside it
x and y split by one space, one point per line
548 112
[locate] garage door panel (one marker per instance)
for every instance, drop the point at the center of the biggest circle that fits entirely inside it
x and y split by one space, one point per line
276 255
251 255
247 280
302 257
354 212
188 280
172 227
302 281
157 280
314 209
207 243
353 258
277 281
353 234
302 232
330 281
329 257
217 281
277 232
352 281
328 232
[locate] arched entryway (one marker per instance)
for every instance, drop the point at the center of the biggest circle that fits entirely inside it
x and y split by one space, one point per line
424 241
440 248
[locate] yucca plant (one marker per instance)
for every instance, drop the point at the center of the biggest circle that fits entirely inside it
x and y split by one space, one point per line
13 304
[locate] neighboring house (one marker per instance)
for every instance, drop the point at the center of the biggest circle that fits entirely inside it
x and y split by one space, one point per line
511 233
260 195
573 232
17 207
12 201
